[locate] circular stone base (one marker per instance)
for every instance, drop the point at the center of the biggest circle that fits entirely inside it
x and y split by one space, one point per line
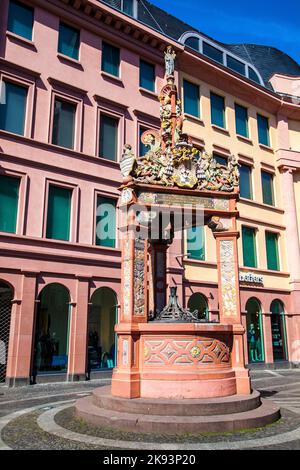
176 416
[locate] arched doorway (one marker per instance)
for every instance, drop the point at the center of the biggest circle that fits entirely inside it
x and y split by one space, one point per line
51 345
254 331
101 329
6 296
278 331
198 302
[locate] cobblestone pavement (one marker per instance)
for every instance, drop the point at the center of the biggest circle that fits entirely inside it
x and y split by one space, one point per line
42 417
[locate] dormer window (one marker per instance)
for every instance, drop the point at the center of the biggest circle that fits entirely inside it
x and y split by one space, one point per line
193 43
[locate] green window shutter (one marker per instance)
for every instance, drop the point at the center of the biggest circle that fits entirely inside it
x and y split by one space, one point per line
241 120
272 251
245 182
68 41
20 19
249 248
263 130
59 213
13 110
64 124
267 188
110 59
193 43
9 198
191 96
217 110
108 147
196 243
212 52
236 65
147 75
106 222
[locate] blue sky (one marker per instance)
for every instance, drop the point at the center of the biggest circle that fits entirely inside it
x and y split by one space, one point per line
274 23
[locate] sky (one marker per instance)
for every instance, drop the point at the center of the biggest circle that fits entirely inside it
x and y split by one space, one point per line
271 23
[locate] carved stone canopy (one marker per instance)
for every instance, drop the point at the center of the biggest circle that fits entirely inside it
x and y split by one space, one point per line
171 159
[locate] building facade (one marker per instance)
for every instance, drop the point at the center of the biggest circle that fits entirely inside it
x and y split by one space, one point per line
79 79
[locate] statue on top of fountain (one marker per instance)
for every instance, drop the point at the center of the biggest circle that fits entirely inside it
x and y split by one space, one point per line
171 159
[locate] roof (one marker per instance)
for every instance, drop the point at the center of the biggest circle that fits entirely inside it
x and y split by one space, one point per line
267 60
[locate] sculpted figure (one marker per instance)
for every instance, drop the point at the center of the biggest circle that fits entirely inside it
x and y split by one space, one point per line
170 56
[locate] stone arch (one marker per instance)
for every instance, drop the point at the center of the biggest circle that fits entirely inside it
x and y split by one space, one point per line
255 334
101 323
52 323
6 297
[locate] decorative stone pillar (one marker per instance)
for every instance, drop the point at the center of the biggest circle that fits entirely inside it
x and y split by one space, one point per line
78 331
21 336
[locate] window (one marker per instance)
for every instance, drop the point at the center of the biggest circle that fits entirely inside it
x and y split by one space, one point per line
267 188
13 110
147 75
59 213
191 97
212 52
263 130
110 59
9 198
68 41
217 110
272 251
196 243
128 7
221 160
20 19
253 75
108 145
241 120
106 222
64 123
193 43
245 182
143 148
249 248
235 65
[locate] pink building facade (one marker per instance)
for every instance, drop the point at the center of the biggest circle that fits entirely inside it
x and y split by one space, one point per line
60 289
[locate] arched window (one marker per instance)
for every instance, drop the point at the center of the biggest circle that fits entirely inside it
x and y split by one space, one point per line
278 331
255 331
6 296
51 346
101 329
198 302
192 42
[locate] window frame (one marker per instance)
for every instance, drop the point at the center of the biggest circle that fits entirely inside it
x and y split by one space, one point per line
272 187
250 167
269 144
67 57
23 193
18 36
248 136
154 77
108 43
108 195
255 231
205 246
113 112
199 98
73 235
224 127
277 236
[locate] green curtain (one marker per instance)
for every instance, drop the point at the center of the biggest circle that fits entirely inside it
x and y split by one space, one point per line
106 222
59 213
110 59
108 146
249 248
9 197
263 130
272 251
68 41
241 120
217 110
191 98
267 188
196 243
12 111
245 182
147 75
20 19
64 124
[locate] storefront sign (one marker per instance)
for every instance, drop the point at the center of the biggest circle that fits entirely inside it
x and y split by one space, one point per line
251 278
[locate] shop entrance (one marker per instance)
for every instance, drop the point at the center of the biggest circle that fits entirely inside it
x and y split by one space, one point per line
254 331
52 330
6 296
278 331
101 334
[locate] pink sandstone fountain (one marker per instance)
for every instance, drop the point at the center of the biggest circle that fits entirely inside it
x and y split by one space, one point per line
176 372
